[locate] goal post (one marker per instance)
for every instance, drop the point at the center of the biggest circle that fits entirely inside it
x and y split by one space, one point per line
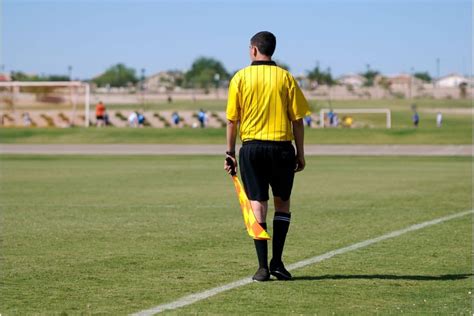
387 112
33 94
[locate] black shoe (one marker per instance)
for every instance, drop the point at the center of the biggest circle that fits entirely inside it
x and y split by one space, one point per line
261 275
278 270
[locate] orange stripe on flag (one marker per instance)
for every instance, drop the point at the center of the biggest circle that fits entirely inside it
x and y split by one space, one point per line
254 229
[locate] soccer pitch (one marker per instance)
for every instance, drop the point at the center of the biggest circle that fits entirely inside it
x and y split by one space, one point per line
117 235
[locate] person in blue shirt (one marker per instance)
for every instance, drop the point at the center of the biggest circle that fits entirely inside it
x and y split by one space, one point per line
202 118
416 119
176 118
331 117
141 119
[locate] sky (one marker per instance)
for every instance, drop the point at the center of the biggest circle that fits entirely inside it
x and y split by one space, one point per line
392 36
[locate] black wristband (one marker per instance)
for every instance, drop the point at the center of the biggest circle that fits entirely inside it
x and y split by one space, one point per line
230 153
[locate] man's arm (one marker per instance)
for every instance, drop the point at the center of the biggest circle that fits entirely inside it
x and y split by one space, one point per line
231 137
298 133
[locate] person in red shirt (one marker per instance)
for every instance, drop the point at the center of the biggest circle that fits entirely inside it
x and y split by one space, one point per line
100 114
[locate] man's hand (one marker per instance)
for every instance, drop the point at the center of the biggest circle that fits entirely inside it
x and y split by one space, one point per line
228 167
300 163
230 153
298 132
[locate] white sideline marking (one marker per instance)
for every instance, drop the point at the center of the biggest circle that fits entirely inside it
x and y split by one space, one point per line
193 298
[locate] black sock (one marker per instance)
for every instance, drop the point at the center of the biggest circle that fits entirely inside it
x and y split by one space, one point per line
281 223
262 250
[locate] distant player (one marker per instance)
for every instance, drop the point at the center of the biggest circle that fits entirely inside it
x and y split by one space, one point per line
269 107
416 119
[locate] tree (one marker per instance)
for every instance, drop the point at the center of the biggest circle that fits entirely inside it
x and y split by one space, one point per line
203 73
370 76
21 76
463 90
425 76
321 77
38 91
118 75
385 84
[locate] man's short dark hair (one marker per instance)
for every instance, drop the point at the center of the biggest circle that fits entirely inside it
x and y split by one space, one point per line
265 42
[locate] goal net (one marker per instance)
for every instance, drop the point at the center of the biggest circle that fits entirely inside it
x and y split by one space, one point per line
354 117
44 103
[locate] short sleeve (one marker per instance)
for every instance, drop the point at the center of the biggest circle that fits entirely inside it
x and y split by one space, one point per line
233 101
298 107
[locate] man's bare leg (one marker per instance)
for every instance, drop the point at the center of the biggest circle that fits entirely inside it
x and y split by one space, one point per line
260 209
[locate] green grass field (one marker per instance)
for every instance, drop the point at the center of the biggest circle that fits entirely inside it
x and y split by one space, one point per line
397 105
456 129
219 104
115 235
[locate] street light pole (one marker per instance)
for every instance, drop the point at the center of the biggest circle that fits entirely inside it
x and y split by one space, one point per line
412 72
217 77
69 72
142 87
437 68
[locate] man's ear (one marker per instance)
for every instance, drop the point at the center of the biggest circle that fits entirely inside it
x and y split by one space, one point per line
254 51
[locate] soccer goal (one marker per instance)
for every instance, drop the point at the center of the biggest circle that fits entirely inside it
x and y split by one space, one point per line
323 114
44 103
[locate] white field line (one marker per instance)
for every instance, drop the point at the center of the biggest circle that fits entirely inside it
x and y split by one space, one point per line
193 298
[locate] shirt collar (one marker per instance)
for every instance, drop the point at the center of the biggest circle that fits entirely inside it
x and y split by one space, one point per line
263 62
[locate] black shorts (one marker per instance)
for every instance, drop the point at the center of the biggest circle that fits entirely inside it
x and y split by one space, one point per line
264 163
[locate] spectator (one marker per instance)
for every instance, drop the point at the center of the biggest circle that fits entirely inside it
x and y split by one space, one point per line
202 117
439 119
335 120
99 114
26 119
331 117
106 119
140 119
347 121
175 117
133 119
308 120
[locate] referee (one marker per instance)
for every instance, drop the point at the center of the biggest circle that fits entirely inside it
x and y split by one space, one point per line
268 107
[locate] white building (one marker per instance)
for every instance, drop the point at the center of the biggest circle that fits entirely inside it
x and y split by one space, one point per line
450 81
403 80
163 81
352 79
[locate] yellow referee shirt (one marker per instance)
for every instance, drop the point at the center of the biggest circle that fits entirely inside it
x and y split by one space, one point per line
265 98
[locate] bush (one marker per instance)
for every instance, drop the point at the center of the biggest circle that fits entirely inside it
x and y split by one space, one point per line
398 95
120 116
162 119
49 120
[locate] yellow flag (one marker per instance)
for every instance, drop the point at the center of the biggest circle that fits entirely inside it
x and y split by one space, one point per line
254 229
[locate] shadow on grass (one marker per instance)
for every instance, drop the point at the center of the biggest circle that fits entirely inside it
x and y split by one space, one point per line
445 277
